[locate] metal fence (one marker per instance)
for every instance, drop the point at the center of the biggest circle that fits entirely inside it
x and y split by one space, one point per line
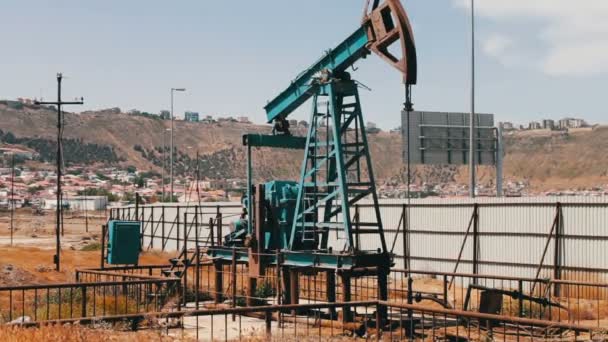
405 323
563 238
99 295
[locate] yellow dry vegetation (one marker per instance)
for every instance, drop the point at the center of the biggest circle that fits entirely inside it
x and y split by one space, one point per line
76 333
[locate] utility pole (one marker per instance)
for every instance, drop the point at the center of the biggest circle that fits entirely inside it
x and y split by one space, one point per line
162 171
12 196
59 103
472 119
408 107
198 179
86 213
164 163
172 130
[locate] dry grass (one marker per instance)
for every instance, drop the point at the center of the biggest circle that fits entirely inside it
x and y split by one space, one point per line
38 264
76 333
35 269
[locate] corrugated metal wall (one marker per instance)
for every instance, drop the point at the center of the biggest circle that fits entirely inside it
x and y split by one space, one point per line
512 233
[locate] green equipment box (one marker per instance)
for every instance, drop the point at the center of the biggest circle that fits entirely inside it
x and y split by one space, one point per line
123 242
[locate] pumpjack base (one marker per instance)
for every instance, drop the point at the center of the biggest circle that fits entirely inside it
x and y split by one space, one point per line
358 262
346 266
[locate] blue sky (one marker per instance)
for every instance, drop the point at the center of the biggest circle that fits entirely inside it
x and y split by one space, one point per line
536 58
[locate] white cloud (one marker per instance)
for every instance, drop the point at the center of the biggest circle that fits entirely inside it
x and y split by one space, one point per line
573 35
504 49
496 45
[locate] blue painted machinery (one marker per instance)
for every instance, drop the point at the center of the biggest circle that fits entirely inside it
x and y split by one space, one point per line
294 220
279 204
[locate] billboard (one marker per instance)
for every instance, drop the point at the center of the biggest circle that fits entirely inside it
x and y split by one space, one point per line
443 138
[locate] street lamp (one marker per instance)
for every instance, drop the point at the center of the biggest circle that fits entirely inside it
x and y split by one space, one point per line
472 162
172 130
164 163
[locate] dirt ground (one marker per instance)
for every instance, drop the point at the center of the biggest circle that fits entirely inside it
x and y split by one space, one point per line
30 258
34 265
27 223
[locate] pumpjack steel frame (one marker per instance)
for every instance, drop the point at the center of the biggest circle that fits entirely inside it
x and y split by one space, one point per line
336 171
332 176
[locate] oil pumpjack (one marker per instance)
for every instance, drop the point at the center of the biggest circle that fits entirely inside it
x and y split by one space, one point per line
312 225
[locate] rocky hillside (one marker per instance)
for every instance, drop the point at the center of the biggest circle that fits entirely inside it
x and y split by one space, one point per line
545 160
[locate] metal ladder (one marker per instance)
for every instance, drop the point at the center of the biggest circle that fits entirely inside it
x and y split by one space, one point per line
336 172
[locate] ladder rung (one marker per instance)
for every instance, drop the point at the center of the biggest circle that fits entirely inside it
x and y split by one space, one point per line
359 191
311 184
359 184
366 231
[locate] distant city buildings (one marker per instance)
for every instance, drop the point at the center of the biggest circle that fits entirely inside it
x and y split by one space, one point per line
507 126
226 119
192 117
372 128
165 115
571 123
18 153
548 124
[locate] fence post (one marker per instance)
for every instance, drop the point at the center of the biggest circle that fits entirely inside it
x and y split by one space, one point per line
520 288
185 259
383 289
162 228
279 285
176 222
268 319
104 228
211 230
136 207
142 228
330 288
233 281
445 291
357 226
152 230
83 309
406 237
379 309
557 261
346 296
219 229
219 280
218 222
476 242
410 313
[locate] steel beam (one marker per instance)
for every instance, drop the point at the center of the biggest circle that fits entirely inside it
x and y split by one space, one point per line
303 87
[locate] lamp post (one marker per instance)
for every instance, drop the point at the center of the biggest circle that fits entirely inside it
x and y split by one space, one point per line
164 163
472 139
172 130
